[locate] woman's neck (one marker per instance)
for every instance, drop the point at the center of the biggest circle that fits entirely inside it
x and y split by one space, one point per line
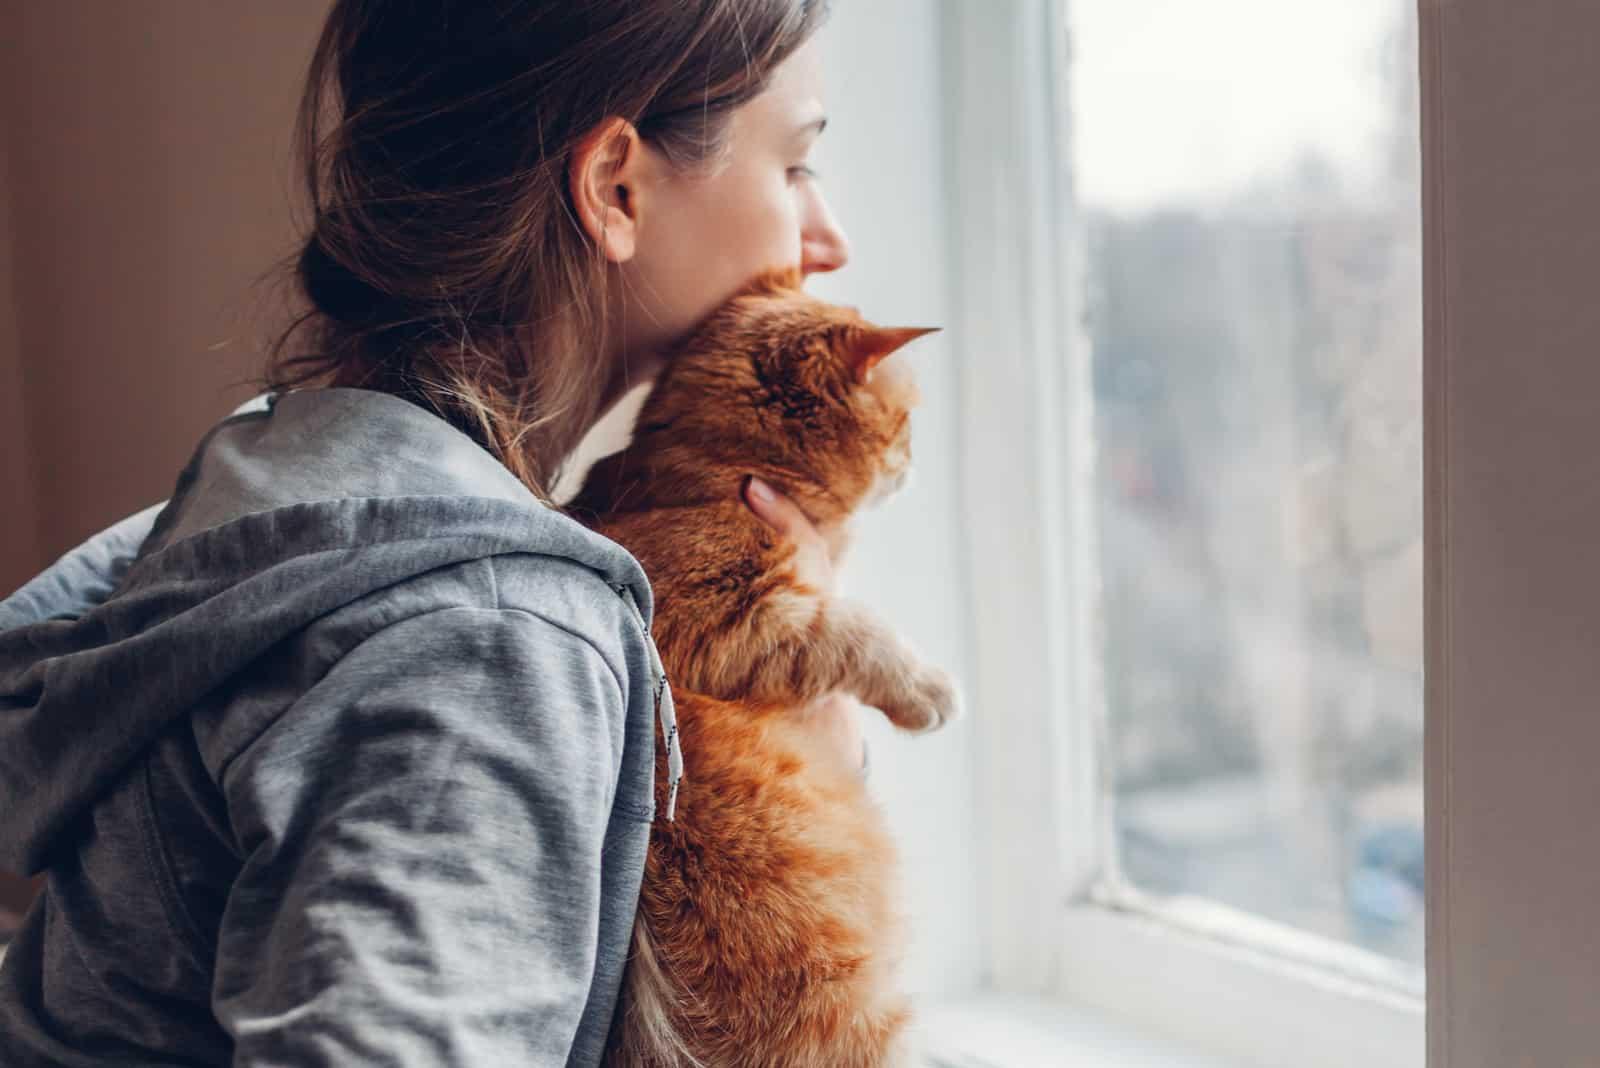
627 372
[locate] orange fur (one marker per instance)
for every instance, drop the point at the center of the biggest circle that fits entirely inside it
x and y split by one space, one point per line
767 932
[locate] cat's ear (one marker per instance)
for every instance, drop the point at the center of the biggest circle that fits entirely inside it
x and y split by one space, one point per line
869 348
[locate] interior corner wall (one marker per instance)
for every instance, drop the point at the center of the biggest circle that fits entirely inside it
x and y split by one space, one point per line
146 184
19 508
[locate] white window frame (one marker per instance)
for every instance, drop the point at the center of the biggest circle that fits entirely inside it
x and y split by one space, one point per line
1207 977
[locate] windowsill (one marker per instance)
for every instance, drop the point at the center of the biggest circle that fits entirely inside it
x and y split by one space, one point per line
1014 1031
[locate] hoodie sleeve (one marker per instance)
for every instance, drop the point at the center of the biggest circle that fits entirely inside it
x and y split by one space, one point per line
83 577
422 834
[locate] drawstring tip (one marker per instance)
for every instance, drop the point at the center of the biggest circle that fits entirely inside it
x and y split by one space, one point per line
672 801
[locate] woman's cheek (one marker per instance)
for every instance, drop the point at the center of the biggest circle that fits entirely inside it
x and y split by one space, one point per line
784 230
768 238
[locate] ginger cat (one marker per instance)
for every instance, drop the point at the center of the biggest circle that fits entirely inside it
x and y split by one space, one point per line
767 932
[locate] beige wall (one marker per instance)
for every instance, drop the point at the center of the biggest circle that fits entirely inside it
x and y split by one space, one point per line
19 530
143 184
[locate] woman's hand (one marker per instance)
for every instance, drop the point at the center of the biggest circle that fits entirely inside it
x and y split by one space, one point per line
833 715
813 561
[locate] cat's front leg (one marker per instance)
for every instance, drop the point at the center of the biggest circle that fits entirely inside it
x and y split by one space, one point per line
882 671
812 645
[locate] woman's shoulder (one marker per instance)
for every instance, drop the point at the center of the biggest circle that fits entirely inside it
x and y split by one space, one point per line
304 447
392 510
560 593
460 638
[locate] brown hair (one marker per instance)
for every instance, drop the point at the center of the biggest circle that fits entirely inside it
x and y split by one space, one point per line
444 261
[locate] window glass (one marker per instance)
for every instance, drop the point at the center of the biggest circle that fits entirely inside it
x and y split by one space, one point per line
1246 174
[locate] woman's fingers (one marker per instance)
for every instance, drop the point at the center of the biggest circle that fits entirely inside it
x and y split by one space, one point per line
777 511
813 561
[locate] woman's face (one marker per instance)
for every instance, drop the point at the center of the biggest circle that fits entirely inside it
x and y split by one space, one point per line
700 237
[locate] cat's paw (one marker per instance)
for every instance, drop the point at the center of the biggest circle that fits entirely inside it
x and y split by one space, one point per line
930 702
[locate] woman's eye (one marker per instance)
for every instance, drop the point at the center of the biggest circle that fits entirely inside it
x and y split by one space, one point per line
801 171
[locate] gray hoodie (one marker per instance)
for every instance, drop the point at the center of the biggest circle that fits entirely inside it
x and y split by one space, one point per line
348 759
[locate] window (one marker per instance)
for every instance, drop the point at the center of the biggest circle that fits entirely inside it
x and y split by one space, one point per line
1188 244
1246 176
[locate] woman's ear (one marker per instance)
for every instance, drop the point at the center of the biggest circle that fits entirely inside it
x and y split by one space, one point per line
604 176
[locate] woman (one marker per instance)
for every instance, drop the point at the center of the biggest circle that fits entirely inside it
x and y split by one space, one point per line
353 763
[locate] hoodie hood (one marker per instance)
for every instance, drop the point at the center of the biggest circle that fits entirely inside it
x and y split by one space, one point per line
294 506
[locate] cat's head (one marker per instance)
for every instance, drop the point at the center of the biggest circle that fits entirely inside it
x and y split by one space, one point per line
809 395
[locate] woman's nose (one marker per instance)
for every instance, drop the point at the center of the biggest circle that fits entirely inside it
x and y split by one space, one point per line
823 246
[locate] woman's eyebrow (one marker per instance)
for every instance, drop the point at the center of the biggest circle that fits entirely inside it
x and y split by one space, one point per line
817 124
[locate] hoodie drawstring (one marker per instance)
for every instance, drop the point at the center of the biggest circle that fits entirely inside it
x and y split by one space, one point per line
666 711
